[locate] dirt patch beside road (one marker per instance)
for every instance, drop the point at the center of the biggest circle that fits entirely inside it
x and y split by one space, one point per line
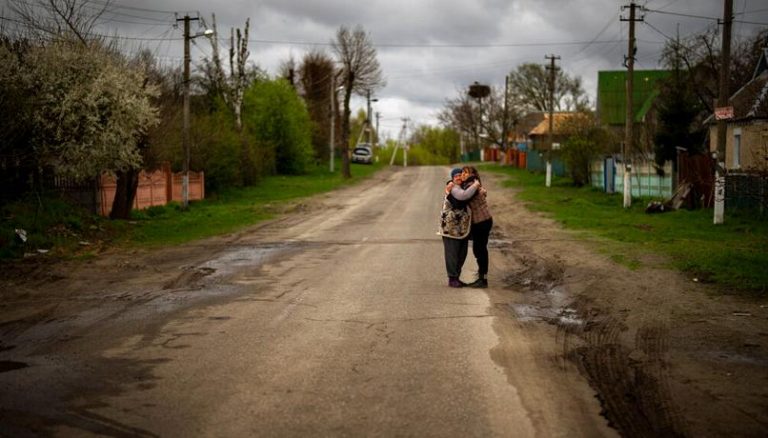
666 355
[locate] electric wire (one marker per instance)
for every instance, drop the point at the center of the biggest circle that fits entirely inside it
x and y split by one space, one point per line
133 8
658 31
99 10
436 46
612 20
680 14
755 11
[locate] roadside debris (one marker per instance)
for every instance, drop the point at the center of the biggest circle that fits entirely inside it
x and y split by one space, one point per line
21 234
680 196
657 207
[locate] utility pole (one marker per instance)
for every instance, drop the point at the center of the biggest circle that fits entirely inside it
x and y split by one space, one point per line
722 102
629 137
550 138
333 120
185 114
368 115
376 138
401 141
504 121
405 143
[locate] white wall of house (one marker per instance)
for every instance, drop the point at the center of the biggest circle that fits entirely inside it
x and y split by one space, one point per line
746 144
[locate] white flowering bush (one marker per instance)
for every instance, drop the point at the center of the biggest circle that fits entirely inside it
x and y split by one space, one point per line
87 107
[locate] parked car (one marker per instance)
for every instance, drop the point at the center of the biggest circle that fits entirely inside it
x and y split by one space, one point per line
363 153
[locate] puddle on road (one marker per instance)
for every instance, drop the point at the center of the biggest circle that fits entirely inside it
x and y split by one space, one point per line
532 313
10 365
247 256
208 279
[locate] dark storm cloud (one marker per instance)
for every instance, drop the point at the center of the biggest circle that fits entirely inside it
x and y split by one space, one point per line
420 42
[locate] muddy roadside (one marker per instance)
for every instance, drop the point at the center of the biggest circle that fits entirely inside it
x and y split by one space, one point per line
666 355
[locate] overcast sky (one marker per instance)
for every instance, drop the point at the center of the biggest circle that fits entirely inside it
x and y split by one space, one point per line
429 49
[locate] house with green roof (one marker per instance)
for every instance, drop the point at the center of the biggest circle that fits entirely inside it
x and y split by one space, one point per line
612 113
612 95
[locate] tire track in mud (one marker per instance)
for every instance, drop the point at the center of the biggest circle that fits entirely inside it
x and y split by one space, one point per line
628 374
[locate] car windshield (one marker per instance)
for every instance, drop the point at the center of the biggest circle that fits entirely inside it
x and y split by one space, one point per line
362 151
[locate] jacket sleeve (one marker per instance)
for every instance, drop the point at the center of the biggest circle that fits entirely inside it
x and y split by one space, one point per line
464 194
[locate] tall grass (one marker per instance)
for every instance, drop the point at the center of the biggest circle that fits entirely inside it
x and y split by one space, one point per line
733 255
65 230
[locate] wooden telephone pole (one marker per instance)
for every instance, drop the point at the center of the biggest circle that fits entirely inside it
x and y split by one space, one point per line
550 137
185 139
629 134
722 102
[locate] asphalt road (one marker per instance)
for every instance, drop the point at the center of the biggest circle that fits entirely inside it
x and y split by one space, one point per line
335 321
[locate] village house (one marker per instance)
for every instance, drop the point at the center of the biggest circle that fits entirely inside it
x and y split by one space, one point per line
608 173
746 145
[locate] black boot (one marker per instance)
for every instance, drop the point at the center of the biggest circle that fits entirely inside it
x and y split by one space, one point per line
480 283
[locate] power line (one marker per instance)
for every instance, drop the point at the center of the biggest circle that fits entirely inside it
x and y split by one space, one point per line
680 14
115 37
132 8
750 22
438 46
751 12
658 31
607 25
101 10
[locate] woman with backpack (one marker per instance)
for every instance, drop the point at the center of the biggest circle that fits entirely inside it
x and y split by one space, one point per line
455 222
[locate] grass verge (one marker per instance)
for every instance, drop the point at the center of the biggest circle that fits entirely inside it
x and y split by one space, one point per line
732 255
56 228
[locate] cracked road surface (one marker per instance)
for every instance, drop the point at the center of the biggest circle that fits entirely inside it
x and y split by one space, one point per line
334 320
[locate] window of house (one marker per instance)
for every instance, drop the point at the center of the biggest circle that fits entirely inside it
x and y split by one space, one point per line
737 149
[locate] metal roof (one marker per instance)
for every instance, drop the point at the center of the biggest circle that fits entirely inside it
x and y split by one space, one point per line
611 94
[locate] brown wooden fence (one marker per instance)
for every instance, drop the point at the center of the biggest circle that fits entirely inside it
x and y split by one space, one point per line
155 188
516 158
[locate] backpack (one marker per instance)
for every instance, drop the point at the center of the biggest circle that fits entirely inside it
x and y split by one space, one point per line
454 221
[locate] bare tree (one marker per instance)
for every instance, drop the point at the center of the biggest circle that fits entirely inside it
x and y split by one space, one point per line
59 18
232 88
700 60
476 118
529 90
359 72
462 114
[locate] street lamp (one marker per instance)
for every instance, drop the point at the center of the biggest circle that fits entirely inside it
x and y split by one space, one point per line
185 106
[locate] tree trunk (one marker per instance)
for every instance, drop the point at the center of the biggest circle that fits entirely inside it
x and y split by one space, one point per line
127 184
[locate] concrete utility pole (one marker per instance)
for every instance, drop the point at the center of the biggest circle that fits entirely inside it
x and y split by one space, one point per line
333 120
401 143
550 138
376 138
405 141
368 116
629 137
185 140
722 102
